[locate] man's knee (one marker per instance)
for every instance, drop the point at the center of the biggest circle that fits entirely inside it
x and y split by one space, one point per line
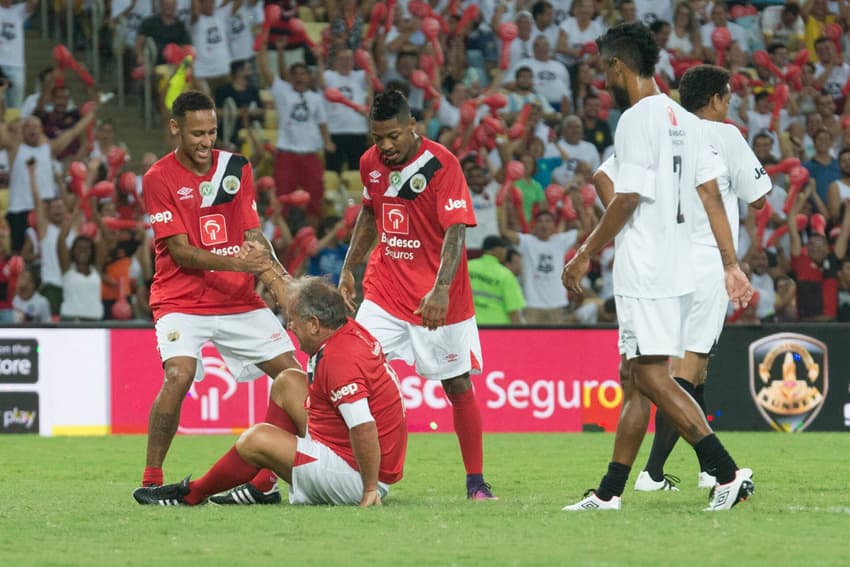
291 384
254 439
179 374
457 385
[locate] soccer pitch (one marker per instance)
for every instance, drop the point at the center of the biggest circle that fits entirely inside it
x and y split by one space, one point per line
66 501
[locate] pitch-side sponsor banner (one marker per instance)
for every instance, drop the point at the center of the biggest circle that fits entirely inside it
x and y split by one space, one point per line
533 380
57 374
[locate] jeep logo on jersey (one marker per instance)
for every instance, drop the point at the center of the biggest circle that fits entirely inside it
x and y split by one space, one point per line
347 390
453 204
396 220
163 217
213 229
231 184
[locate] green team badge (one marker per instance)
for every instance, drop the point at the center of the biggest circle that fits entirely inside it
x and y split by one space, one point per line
395 178
206 188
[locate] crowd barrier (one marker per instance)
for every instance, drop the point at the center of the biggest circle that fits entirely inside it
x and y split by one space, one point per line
67 381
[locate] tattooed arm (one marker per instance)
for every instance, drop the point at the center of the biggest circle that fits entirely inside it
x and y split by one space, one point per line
276 279
362 239
435 304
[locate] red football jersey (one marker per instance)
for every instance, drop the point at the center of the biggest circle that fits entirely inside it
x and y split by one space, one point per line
214 211
348 367
414 204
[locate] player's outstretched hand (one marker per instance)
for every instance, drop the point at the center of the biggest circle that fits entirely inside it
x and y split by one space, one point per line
346 289
738 286
434 307
370 498
573 273
253 257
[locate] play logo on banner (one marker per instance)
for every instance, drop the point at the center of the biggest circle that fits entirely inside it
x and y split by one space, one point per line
19 412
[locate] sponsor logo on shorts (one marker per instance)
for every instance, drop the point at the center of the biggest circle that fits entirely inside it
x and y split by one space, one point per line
453 357
213 230
172 336
347 390
788 379
161 217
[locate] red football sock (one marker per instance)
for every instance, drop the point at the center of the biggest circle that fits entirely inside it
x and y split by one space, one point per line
152 476
467 423
266 479
230 470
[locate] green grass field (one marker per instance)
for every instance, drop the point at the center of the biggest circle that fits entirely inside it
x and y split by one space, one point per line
66 501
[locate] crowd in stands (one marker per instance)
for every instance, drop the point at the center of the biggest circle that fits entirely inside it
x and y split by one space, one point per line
515 88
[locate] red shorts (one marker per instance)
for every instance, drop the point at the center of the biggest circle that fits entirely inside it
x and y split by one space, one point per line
300 171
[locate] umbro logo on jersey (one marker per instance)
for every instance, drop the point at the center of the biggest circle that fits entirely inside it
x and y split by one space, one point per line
185 193
374 176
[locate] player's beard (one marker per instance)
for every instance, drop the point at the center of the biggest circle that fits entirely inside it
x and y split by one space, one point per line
621 96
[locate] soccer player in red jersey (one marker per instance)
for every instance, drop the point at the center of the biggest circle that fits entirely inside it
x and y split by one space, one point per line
201 205
352 434
417 295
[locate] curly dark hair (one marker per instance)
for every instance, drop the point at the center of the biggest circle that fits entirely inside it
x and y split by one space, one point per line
633 44
191 101
388 105
699 84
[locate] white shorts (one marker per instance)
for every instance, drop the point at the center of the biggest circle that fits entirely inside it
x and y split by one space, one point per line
320 476
242 339
708 310
447 352
652 327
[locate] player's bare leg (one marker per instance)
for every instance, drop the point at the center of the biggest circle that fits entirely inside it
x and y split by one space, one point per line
285 411
689 372
165 414
654 381
264 451
467 423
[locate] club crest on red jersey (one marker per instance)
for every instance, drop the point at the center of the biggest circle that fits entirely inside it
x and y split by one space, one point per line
213 229
396 219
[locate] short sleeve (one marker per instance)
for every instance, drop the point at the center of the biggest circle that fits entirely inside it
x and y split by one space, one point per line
364 171
319 114
610 168
343 378
280 90
749 180
566 239
160 206
709 163
635 158
248 206
454 203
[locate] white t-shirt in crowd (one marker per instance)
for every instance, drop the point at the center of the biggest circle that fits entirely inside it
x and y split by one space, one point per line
81 295
20 195
767 294
51 272
484 205
209 36
12 37
649 11
542 264
241 32
36 309
576 37
140 10
662 156
583 151
340 118
551 79
836 80
760 124
682 43
520 49
298 118
738 33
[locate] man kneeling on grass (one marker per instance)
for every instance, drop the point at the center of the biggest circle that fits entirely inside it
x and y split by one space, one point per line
346 436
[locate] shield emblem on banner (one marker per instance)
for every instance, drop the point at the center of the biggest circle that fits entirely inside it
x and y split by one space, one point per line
788 379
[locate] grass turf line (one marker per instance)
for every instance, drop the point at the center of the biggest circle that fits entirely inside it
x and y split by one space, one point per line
66 501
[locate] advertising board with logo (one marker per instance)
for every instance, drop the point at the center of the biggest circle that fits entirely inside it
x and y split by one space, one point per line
19 412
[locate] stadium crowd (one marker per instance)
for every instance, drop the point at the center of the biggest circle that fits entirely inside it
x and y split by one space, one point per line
514 88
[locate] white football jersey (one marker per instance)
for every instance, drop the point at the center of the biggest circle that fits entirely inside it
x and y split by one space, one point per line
662 155
743 177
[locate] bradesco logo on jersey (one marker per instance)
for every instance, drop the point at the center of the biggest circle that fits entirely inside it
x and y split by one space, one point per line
213 229
396 225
